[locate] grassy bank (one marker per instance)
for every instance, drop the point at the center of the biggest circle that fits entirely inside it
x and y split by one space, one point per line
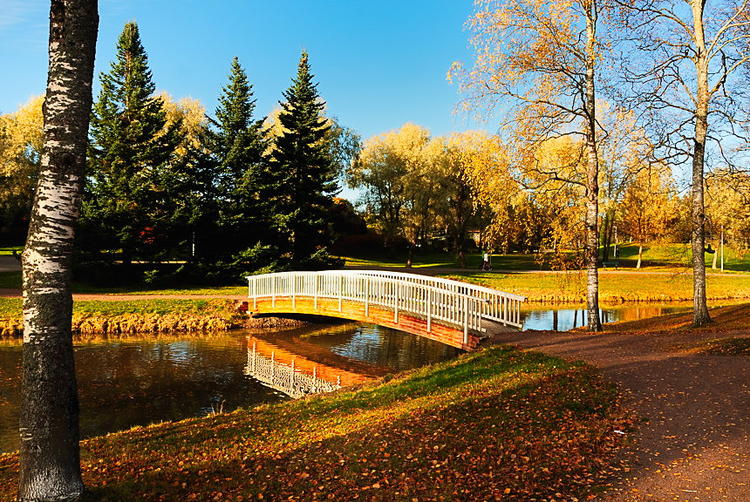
12 280
497 423
113 318
655 256
614 287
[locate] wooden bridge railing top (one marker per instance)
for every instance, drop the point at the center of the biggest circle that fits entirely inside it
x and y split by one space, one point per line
448 302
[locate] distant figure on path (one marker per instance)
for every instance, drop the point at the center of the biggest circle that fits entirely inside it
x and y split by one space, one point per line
486 261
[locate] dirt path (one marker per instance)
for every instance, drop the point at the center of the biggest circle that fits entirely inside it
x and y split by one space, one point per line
693 442
9 264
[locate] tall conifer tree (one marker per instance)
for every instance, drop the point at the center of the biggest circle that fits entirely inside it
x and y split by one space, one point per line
237 145
302 173
130 155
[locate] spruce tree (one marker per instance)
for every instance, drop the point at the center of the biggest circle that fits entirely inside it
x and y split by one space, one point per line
130 156
237 145
302 174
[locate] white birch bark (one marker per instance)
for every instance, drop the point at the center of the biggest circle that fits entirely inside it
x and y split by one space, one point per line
49 454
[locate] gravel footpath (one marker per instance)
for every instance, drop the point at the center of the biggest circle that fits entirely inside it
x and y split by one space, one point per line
693 439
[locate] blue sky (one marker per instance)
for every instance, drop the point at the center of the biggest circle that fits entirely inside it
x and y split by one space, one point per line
379 63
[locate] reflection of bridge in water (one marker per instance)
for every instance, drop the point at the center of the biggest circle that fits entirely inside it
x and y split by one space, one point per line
450 312
297 367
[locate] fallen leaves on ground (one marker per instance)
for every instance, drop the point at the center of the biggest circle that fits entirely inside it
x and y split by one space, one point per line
497 424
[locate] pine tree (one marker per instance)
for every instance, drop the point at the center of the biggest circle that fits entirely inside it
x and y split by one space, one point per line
237 145
131 150
302 173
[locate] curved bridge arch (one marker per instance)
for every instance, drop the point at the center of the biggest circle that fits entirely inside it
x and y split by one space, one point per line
449 311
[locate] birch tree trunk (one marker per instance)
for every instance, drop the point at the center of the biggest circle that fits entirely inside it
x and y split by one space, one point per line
592 175
700 307
49 454
640 255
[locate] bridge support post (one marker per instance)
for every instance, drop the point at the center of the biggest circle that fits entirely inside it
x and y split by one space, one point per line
396 297
341 290
273 292
315 297
294 292
466 320
255 295
429 310
367 297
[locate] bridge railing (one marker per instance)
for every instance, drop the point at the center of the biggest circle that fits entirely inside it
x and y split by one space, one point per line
497 306
434 304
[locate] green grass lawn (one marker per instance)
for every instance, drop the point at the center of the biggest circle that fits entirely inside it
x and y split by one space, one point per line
496 423
446 260
614 287
8 250
132 318
679 255
655 256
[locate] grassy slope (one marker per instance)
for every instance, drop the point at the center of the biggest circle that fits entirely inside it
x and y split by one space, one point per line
12 306
495 423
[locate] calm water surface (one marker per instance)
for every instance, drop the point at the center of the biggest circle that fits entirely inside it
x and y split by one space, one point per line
138 382
565 319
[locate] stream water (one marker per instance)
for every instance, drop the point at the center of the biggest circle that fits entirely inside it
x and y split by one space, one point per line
147 380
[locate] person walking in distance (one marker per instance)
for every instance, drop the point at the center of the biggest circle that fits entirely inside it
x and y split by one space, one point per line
486 261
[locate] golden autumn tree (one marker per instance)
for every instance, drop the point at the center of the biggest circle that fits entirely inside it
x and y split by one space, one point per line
683 61
389 168
479 190
559 199
728 209
650 207
191 115
624 152
20 155
537 62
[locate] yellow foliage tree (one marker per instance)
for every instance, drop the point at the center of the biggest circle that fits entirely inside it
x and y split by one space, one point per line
650 206
390 168
191 114
480 190
538 60
20 155
728 208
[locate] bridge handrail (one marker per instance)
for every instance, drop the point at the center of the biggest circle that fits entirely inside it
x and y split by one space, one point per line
439 280
499 306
